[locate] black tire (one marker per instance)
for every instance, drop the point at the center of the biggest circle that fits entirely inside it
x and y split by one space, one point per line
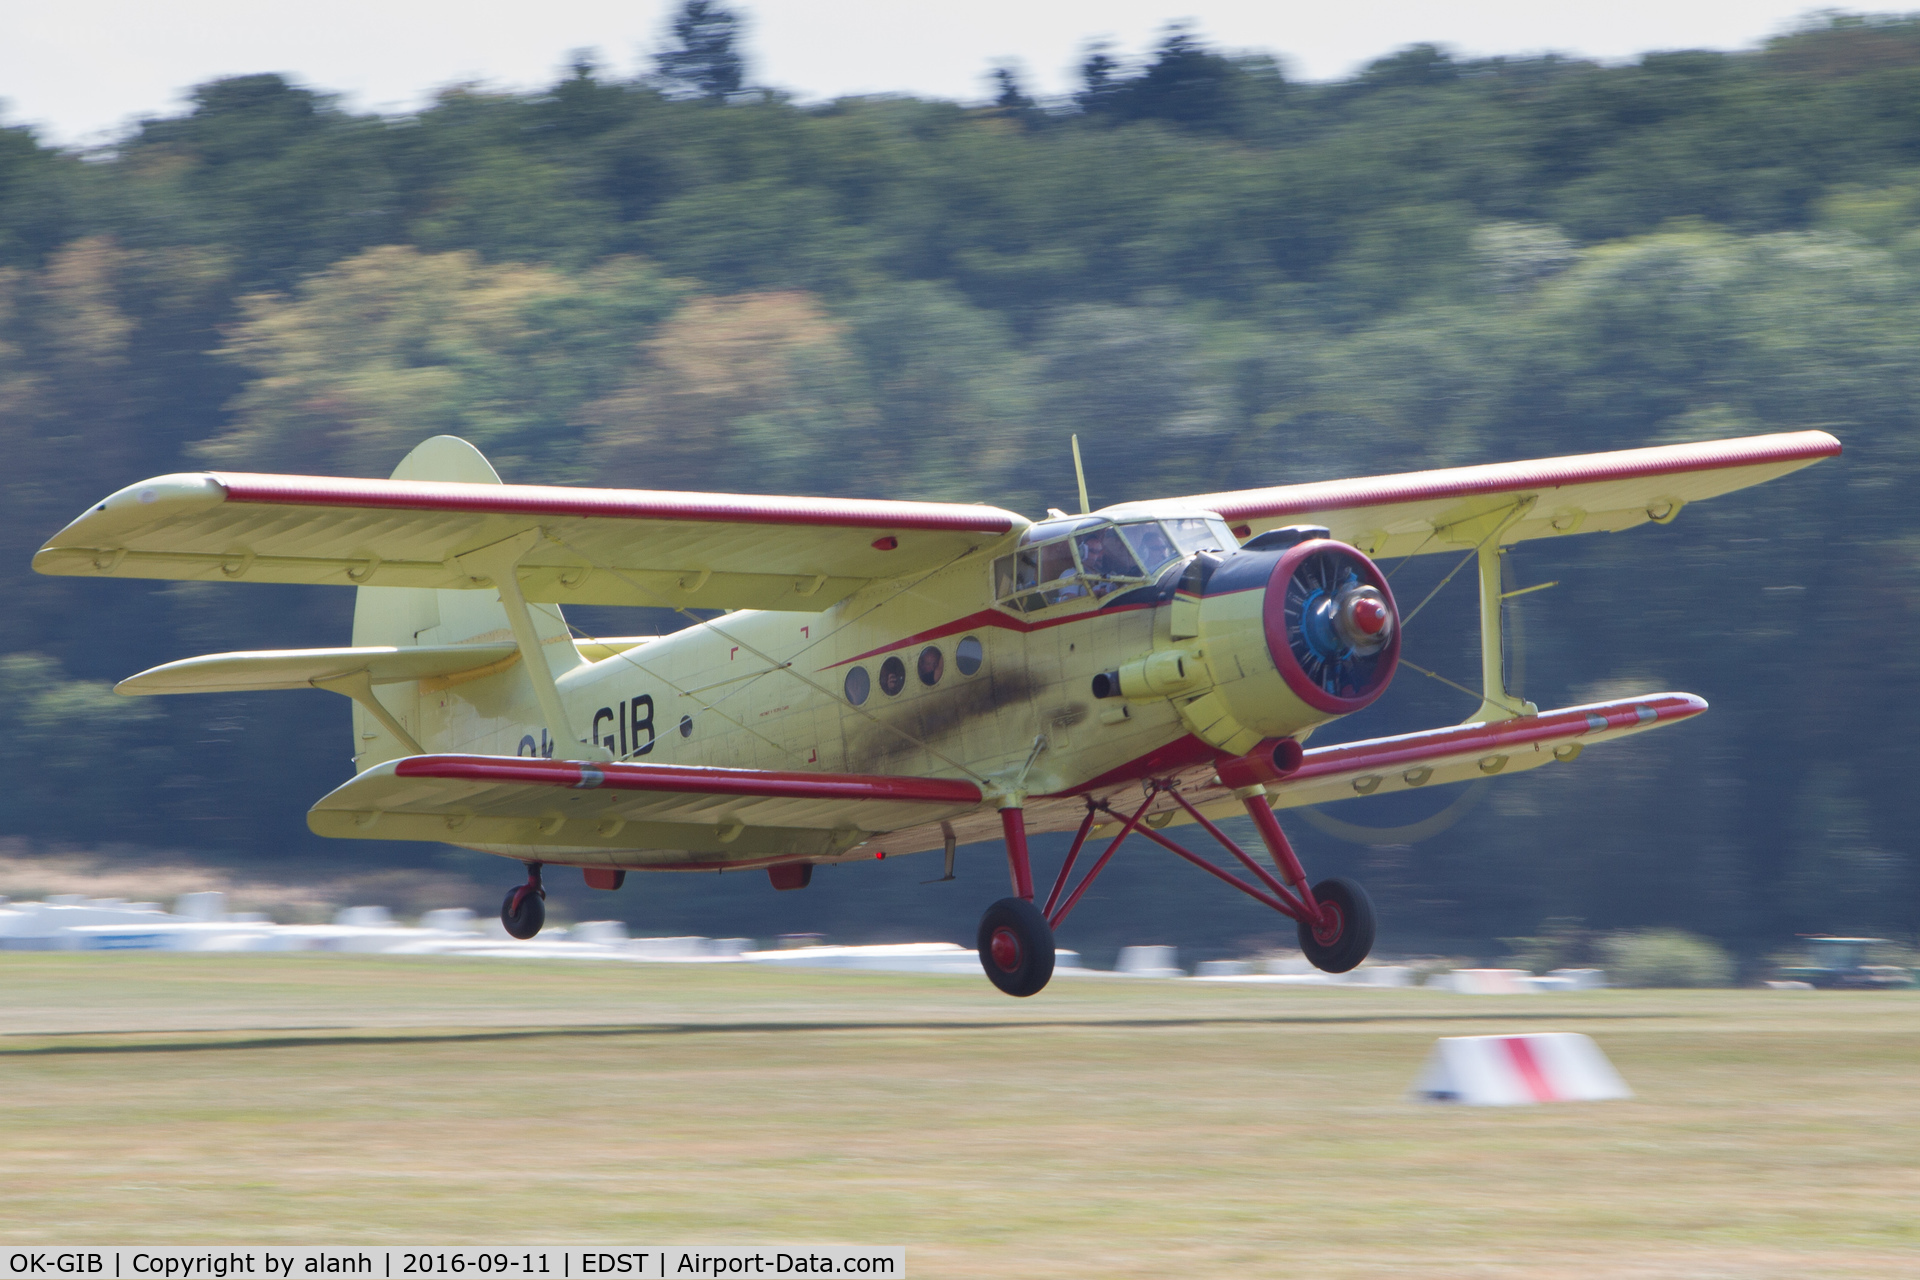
525 922
1339 950
1016 947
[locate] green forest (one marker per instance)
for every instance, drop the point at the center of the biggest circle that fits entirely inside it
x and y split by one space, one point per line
1215 276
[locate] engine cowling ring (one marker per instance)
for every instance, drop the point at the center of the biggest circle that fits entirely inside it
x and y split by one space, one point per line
1321 607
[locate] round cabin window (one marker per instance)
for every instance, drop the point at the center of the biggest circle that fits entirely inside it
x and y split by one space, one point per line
893 676
859 685
686 726
932 665
968 655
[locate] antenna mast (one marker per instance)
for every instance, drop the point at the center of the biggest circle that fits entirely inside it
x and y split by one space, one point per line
1080 474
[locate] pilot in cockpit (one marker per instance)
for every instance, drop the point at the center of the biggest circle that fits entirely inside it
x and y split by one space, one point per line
1103 557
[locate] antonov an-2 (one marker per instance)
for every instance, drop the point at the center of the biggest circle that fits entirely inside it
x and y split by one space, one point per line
888 677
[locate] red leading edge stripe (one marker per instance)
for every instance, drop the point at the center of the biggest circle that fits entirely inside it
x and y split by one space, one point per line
615 504
1502 477
699 779
1569 722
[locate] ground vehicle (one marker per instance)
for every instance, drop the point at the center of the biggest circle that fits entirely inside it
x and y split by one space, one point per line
1842 962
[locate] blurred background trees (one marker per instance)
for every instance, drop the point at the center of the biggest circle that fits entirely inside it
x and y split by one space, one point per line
1217 277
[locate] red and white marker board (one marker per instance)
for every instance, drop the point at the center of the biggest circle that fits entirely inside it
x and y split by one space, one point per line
1514 1071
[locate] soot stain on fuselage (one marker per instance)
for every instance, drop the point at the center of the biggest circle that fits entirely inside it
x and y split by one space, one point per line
936 717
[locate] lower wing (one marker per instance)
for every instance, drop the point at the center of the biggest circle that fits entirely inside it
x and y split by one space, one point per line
691 818
664 816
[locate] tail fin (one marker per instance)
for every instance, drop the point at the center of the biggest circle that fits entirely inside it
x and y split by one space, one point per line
413 616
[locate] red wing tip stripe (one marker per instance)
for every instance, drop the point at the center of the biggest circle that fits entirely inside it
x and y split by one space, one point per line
1543 473
688 778
617 504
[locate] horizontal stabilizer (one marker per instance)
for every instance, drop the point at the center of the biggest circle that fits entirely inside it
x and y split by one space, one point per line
1461 753
304 668
614 813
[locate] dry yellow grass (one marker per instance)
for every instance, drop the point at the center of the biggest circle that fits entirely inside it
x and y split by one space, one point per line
1104 1129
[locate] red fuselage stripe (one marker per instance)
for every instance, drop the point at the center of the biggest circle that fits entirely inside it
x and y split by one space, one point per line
616 504
693 779
1514 477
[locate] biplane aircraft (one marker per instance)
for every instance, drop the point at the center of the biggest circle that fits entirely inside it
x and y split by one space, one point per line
886 677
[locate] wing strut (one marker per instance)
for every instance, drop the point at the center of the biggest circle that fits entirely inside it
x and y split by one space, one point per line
358 685
1495 702
501 563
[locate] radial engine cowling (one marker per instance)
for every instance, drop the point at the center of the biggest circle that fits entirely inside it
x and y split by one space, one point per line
1266 644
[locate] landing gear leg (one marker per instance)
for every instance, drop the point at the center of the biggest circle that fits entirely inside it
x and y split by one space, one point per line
525 908
1015 942
1336 933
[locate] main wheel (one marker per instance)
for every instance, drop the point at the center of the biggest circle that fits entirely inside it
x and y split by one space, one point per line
1016 946
1343 936
523 917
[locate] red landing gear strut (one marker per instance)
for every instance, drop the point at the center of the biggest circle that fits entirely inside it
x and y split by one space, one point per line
525 908
1334 918
1015 941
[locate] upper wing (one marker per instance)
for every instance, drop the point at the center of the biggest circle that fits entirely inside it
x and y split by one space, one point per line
599 546
1427 511
616 812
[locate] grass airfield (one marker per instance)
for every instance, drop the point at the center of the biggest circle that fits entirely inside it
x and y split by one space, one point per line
1106 1128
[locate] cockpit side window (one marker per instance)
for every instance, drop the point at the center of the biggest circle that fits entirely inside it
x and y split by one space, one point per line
1072 558
1150 544
1106 561
1037 576
1056 566
1192 533
1026 569
1056 561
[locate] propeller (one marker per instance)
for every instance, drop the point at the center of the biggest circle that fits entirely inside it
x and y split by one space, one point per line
1338 624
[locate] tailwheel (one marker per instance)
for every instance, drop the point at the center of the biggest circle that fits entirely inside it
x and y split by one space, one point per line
1343 935
525 908
1016 947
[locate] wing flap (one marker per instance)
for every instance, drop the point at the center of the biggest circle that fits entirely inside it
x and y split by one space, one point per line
1445 510
263 669
598 546
727 815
